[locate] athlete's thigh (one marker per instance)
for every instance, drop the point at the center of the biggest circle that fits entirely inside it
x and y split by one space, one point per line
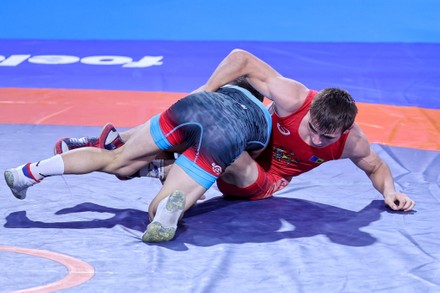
242 172
140 144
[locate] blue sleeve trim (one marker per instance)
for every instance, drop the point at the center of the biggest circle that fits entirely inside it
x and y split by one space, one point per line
199 175
159 138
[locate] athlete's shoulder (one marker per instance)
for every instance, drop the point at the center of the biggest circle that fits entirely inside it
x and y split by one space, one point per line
356 145
289 95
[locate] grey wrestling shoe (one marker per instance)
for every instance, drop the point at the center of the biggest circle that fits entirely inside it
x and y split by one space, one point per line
18 182
164 225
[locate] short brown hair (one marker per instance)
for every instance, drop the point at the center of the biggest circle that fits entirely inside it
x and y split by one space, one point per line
242 82
333 109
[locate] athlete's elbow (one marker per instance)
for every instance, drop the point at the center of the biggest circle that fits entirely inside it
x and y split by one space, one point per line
239 57
238 52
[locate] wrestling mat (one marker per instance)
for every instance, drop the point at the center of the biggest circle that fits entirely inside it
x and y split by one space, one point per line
328 231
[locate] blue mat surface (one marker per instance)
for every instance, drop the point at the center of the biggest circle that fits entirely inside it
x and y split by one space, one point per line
328 230
389 73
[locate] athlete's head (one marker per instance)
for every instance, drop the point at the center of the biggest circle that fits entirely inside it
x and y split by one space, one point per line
242 82
333 110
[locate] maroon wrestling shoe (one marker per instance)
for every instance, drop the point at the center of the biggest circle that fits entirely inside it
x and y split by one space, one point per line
109 139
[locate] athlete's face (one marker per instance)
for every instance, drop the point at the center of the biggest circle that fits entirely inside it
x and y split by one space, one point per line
321 139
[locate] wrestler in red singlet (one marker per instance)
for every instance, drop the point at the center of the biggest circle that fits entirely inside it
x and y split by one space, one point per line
286 156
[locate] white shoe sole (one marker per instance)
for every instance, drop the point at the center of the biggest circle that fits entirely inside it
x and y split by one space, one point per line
9 177
164 225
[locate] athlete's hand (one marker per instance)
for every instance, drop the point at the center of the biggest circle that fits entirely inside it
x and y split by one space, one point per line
399 201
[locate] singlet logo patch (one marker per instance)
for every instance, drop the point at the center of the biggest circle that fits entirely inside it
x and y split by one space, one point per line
282 129
216 169
280 154
316 160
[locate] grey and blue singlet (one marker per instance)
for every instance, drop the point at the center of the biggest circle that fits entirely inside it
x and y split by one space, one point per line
215 128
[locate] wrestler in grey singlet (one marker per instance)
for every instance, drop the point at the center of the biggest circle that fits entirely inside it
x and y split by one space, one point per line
216 127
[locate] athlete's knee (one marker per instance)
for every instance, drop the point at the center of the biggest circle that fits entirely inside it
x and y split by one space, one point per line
115 162
243 172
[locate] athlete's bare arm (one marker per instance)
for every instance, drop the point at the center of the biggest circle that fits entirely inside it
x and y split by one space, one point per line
358 149
288 94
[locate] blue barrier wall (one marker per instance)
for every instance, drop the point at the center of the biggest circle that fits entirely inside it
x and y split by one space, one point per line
224 20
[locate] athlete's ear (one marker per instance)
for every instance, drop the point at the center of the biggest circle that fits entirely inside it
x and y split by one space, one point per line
348 129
